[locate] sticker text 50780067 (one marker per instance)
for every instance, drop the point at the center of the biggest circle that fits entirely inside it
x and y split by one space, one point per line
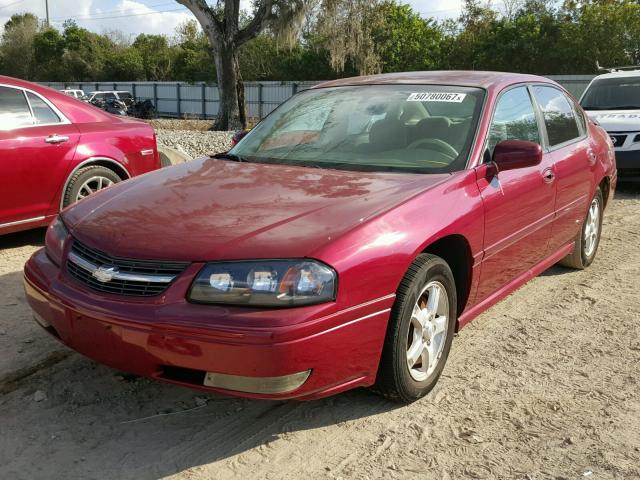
436 97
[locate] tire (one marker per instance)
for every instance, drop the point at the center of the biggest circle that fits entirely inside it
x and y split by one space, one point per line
94 175
585 251
396 379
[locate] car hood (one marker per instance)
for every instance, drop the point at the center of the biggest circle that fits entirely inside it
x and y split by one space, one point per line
211 209
617 120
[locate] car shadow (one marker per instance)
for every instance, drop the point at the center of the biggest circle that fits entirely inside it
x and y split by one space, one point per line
124 426
624 191
627 189
34 237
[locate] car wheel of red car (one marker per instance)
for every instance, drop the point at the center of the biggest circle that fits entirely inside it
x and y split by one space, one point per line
420 331
588 238
88 180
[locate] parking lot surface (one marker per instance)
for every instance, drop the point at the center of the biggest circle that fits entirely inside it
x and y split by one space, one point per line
543 385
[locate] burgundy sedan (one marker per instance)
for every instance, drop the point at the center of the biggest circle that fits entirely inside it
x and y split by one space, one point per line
340 244
55 150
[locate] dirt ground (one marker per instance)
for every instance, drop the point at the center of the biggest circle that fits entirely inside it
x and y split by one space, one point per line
543 385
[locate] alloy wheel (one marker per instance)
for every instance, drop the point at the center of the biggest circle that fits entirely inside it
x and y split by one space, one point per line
427 331
592 225
92 185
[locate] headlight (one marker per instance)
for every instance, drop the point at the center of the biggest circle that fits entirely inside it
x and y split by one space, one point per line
265 283
57 234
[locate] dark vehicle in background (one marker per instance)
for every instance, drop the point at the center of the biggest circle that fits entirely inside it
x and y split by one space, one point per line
613 100
105 96
122 103
55 150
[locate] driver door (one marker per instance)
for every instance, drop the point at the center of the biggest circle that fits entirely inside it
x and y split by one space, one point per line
519 203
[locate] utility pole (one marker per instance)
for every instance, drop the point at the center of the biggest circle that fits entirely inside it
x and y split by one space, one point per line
46 5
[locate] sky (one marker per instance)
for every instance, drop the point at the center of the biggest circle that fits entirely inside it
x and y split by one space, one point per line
155 16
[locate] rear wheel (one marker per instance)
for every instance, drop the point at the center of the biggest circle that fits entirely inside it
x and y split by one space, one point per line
588 239
88 180
420 331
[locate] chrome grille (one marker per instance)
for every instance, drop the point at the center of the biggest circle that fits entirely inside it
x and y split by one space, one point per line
120 276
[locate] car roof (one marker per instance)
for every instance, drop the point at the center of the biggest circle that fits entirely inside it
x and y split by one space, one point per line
73 109
463 78
619 74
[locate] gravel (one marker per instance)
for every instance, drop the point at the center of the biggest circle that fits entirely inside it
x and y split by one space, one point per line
180 124
195 143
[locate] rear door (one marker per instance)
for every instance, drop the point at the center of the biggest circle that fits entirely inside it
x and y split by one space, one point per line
519 203
573 156
37 145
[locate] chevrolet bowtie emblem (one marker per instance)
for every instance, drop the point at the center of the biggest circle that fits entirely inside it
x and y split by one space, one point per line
105 273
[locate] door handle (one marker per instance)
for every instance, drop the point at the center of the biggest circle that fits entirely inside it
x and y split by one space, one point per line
548 175
56 139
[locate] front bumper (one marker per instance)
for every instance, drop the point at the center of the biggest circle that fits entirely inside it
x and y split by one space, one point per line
628 164
174 341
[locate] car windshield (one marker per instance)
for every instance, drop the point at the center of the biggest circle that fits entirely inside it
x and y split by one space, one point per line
393 128
612 94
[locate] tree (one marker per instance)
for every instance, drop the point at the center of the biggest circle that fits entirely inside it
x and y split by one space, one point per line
48 47
157 57
124 64
348 28
16 54
404 40
85 53
221 25
194 60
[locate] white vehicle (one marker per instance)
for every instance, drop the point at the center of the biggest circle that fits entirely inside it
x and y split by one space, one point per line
121 95
73 93
613 100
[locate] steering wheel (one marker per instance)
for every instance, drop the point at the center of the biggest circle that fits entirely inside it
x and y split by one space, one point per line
434 144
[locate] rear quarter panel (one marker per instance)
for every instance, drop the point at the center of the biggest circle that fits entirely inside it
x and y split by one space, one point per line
122 141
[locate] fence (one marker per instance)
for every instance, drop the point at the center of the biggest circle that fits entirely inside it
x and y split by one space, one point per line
200 100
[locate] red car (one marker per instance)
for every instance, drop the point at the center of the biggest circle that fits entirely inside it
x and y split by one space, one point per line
55 149
340 244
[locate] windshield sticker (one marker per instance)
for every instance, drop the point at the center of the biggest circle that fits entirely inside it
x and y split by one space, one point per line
436 97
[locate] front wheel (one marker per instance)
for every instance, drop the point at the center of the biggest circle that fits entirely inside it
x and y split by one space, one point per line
420 331
588 238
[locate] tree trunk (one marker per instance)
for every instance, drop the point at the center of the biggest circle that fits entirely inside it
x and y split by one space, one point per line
230 90
240 89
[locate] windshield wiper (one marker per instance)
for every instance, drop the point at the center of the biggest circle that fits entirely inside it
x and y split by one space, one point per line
229 156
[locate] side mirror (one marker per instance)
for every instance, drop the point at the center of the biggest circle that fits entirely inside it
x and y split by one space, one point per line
511 154
237 136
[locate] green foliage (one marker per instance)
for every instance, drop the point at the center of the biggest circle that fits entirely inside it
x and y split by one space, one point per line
405 41
157 58
193 56
538 37
16 48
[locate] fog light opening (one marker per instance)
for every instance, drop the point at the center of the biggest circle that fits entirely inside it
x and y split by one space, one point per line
260 385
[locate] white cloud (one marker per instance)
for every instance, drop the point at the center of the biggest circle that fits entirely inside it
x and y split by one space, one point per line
439 9
137 17
131 17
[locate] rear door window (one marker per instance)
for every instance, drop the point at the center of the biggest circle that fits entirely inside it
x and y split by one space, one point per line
42 112
14 109
559 116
